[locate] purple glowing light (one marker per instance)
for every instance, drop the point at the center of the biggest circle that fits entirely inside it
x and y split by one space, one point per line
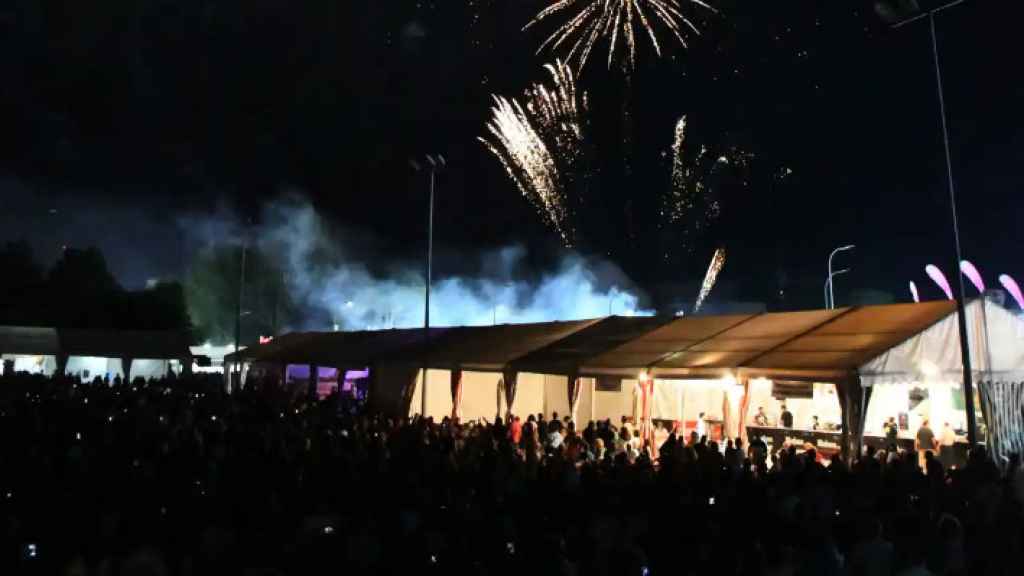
972 274
913 292
939 278
1013 288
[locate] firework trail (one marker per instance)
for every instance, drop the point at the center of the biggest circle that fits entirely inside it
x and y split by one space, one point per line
939 278
540 144
913 292
591 20
717 261
1013 288
968 269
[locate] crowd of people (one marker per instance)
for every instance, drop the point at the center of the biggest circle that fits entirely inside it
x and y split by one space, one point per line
178 477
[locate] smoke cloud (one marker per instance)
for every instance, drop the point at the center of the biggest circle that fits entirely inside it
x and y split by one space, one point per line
339 279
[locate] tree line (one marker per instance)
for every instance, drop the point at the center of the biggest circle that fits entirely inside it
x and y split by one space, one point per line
79 291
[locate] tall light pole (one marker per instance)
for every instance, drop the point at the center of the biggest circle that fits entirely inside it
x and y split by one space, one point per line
828 284
831 292
435 162
237 368
897 20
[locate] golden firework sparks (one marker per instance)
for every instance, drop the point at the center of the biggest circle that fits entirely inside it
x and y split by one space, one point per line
539 144
558 110
612 19
717 261
698 179
685 190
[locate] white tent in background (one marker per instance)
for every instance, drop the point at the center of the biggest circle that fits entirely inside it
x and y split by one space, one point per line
93 353
930 362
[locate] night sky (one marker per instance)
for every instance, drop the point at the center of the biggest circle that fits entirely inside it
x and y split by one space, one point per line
146 110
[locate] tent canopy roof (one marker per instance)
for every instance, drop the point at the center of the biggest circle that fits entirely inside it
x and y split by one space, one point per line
491 348
148 344
340 349
995 338
29 340
855 336
805 344
155 345
570 353
827 343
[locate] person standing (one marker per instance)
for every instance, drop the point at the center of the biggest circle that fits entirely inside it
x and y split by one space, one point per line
892 431
555 423
924 442
761 419
946 449
702 430
786 417
516 430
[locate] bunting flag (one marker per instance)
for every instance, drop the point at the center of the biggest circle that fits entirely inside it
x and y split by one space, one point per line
510 378
456 393
573 383
646 428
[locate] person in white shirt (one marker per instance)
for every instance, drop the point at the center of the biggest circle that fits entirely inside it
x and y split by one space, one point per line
761 419
946 444
701 426
555 439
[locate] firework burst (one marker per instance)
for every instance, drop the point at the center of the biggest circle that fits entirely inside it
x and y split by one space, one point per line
686 191
612 20
540 144
698 180
717 262
558 111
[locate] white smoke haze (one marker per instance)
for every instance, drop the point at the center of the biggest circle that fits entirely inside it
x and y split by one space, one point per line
335 278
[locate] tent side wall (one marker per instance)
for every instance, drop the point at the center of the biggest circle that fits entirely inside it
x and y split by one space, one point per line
479 395
529 395
556 395
613 404
390 392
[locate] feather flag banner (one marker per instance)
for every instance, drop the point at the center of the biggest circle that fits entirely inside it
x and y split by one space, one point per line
939 278
1013 288
973 275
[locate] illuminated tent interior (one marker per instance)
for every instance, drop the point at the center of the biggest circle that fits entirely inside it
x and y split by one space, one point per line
91 353
653 368
921 378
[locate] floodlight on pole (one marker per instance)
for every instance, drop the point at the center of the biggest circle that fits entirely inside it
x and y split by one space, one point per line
897 17
436 162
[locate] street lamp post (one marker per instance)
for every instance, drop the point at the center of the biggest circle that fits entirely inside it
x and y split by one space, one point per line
436 162
831 300
965 353
828 284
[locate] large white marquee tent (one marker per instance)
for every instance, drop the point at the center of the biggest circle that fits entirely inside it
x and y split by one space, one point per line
659 368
